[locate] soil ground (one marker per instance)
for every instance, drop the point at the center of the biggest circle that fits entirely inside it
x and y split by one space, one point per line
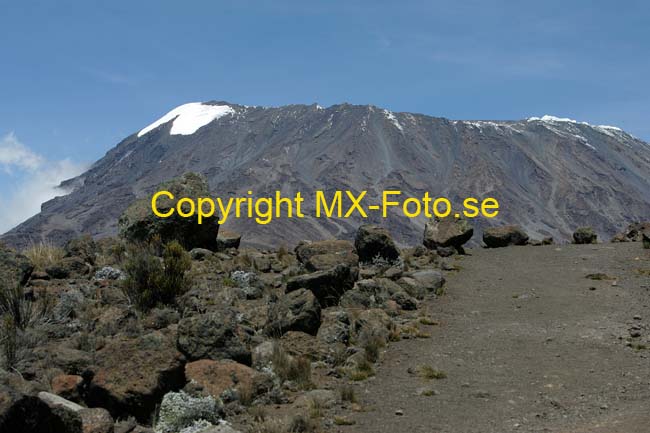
528 343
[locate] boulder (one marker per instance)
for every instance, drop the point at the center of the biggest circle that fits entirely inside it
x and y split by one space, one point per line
96 420
215 335
371 324
633 232
179 410
133 375
497 237
200 254
296 311
322 255
431 280
375 242
67 386
65 411
335 326
368 293
405 301
328 286
447 232
211 377
138 223
227 240
584 235
14 268
412 287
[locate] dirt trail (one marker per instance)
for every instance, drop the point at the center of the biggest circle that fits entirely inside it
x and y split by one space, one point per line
528 344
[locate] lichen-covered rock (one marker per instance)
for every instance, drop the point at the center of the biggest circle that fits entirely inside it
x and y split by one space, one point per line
328 286
296 311
179 410
447 232
497 237
214 335
584 235
367 293
109 273
335 326
138 222
375 242
133 375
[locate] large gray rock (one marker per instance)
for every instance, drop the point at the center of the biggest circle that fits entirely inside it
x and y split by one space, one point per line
447 232
497 237
296 311
22 411
375 242
138 222
585 235
328 286
214 335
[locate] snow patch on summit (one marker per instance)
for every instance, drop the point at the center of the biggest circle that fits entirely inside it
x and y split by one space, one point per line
188 118
390 116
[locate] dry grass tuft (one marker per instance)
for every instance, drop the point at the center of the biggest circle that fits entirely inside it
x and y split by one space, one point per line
44 255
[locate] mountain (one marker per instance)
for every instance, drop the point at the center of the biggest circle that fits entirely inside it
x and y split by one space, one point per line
549 174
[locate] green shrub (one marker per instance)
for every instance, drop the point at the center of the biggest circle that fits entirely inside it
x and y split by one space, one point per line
9 340
14 304
150 281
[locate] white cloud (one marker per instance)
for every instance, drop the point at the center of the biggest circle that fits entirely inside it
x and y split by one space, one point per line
32 180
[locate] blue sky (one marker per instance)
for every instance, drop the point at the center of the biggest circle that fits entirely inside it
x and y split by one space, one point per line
78 76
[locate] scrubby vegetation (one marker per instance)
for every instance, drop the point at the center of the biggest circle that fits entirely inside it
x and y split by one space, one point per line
44 255
151 282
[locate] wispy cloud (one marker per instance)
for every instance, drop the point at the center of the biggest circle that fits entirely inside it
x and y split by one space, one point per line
32 180
111 77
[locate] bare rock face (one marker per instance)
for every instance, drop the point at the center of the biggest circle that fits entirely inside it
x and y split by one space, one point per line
133 375
585 235
296 311
373 241
497 237
447 232
214 335
138 222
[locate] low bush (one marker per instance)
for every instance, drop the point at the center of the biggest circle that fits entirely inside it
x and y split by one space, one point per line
150 281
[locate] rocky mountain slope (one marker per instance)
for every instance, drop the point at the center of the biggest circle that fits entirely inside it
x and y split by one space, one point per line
550 175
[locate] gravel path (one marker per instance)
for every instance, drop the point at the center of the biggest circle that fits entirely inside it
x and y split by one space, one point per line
529 344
